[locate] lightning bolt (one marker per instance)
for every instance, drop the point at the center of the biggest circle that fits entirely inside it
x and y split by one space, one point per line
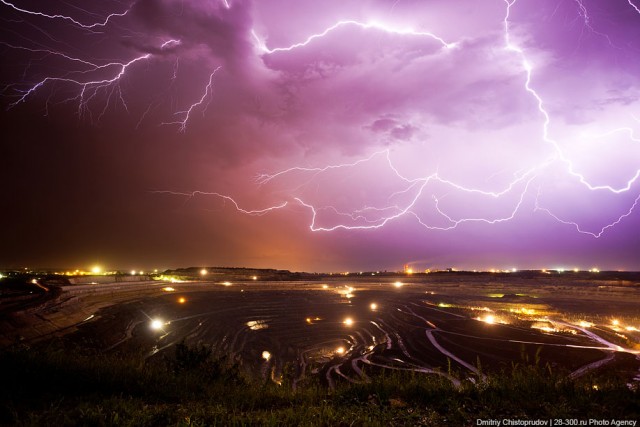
578 227
633 6
88 88
587 22
526 65
363 25
66 18
253 212
204 99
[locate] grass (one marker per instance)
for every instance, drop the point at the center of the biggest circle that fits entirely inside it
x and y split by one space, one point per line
57 385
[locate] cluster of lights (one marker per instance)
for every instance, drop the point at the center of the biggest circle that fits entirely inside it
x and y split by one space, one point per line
616 325
347 292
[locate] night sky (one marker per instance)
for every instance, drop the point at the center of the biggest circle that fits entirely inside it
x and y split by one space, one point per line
334 135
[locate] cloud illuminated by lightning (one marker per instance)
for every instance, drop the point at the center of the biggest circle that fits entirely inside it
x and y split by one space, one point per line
528 68
363 217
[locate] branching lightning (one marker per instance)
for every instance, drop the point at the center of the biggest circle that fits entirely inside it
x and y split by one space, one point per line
255 212
204 100
366 217
363 25
67 18
88 88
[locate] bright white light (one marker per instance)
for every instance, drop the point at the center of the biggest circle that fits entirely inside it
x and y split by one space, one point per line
374 306
133 272
585 324
266 355
348 321
615 322
489 319
96 269
226 283
204 272
325 286
398 284
168 289
340 350
254 278
156 324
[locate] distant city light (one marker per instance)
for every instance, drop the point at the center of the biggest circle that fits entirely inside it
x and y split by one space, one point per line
373 306
340 350
254 278
585 324
96 269
398 284
182 300
348 321
156 324
226 283
204 272
615 322
168 289
133 272
266 355
325 286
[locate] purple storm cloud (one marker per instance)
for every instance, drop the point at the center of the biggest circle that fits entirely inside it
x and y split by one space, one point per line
334 135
